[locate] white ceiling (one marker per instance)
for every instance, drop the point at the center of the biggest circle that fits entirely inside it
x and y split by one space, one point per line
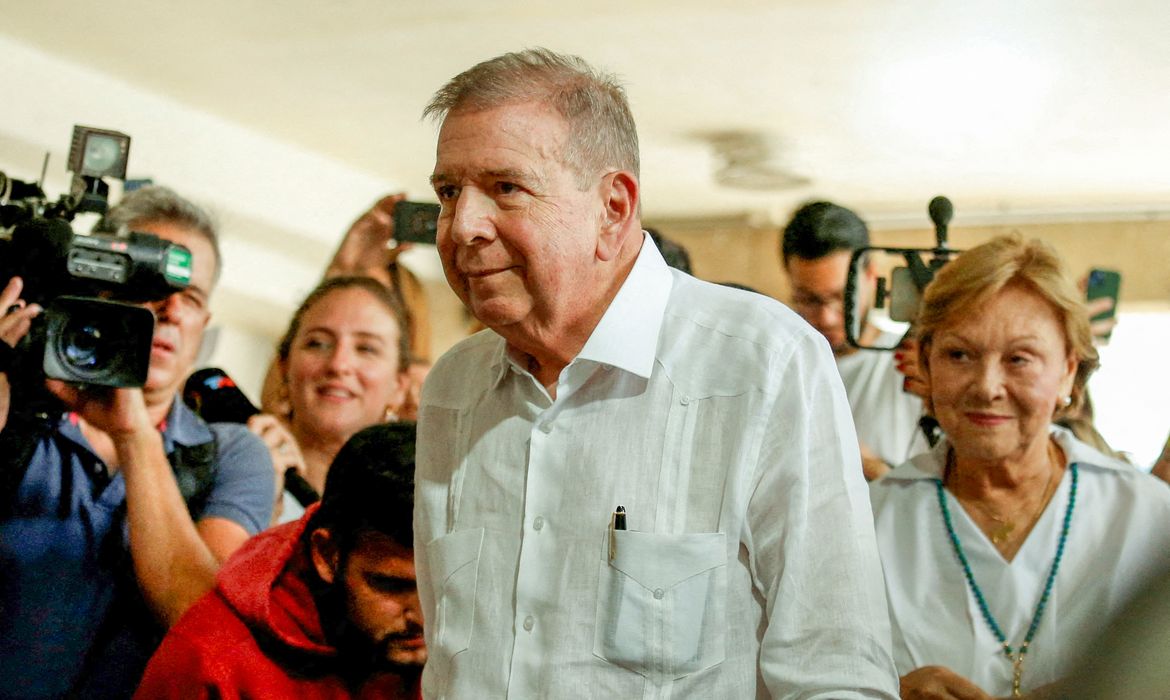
1042 104
292 116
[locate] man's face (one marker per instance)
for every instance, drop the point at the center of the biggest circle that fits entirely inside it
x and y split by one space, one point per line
818 294
181 317
517 236
382 611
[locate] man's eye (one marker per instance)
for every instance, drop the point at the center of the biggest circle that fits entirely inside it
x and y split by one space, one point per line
507 188
446 191
391 584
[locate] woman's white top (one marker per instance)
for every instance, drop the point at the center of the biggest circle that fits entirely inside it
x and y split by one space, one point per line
1118 537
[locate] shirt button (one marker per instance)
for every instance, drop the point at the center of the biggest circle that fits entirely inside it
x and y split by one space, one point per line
546 427
528 623
538 523
659 593
685 400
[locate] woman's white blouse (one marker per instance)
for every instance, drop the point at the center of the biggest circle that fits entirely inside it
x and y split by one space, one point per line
1118 537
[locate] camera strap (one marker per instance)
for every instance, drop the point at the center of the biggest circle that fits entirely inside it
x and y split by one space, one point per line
194 466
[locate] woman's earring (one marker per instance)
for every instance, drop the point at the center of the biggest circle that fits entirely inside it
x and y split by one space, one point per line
389 416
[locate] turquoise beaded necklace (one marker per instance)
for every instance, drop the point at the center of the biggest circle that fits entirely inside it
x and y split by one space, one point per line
1015 656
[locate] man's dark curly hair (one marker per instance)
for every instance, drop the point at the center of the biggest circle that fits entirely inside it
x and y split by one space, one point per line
370 487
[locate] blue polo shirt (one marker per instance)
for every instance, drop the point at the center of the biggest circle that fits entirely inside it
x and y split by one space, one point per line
64 555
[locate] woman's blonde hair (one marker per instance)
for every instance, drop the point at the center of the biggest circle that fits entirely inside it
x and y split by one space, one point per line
971 279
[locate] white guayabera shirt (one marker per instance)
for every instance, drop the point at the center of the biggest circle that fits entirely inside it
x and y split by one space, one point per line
1118 536
717 419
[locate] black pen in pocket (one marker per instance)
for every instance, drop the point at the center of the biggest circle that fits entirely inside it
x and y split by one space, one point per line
617 522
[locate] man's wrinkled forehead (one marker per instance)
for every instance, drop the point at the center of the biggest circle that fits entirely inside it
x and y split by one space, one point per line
501 142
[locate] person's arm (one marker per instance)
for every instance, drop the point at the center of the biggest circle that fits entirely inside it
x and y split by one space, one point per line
811 541
365 250
175 561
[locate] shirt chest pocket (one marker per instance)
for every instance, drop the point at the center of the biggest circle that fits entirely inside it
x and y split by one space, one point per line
661 603
454 561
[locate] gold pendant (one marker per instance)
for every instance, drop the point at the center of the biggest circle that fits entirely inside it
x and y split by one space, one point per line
1001 534
1017 674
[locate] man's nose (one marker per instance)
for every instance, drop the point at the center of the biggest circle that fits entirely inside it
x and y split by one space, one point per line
828 316
165 309
412 610
471 218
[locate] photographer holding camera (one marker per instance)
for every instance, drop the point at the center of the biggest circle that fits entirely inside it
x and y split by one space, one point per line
126 505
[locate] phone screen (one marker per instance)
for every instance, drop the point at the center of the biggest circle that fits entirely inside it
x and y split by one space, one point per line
416 222
1103 284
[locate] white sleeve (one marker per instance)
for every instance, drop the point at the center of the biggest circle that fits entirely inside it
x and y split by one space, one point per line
811 542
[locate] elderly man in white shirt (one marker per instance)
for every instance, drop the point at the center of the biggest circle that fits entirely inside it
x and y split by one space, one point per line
744 565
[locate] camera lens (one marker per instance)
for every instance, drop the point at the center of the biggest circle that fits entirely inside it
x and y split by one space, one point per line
81 346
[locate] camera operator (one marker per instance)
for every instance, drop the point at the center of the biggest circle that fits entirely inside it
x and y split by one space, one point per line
101 548
815 249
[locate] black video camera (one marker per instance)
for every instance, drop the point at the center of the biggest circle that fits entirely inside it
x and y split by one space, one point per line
91 331
901 294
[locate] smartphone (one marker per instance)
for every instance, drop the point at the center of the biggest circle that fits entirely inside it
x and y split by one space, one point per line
1104 283
416 222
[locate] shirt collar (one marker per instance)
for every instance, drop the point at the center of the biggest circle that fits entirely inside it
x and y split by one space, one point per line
183 426
627 335
930 465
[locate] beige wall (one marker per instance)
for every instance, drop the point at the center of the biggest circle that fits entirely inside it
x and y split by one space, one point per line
738 252
749 255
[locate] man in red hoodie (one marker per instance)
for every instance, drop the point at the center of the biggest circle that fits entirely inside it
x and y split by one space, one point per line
323 607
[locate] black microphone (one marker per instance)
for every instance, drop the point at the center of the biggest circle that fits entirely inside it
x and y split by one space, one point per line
941 210
215 397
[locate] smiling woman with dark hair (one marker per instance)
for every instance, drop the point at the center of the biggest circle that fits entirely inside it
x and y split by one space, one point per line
1011 542
342 367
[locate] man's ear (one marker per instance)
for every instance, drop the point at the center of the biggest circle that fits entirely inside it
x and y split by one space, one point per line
619 198
323 551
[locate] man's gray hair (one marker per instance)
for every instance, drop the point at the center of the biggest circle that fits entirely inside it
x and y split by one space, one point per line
602 135
157 203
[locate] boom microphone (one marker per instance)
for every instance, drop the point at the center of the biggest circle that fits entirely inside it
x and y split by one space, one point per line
941 210
215 397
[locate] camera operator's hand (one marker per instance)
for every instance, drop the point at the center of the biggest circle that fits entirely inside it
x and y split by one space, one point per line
284 450
366 250
906 362
116 412
15 319
15 315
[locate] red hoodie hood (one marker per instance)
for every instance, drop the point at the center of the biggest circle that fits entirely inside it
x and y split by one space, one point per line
265 582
